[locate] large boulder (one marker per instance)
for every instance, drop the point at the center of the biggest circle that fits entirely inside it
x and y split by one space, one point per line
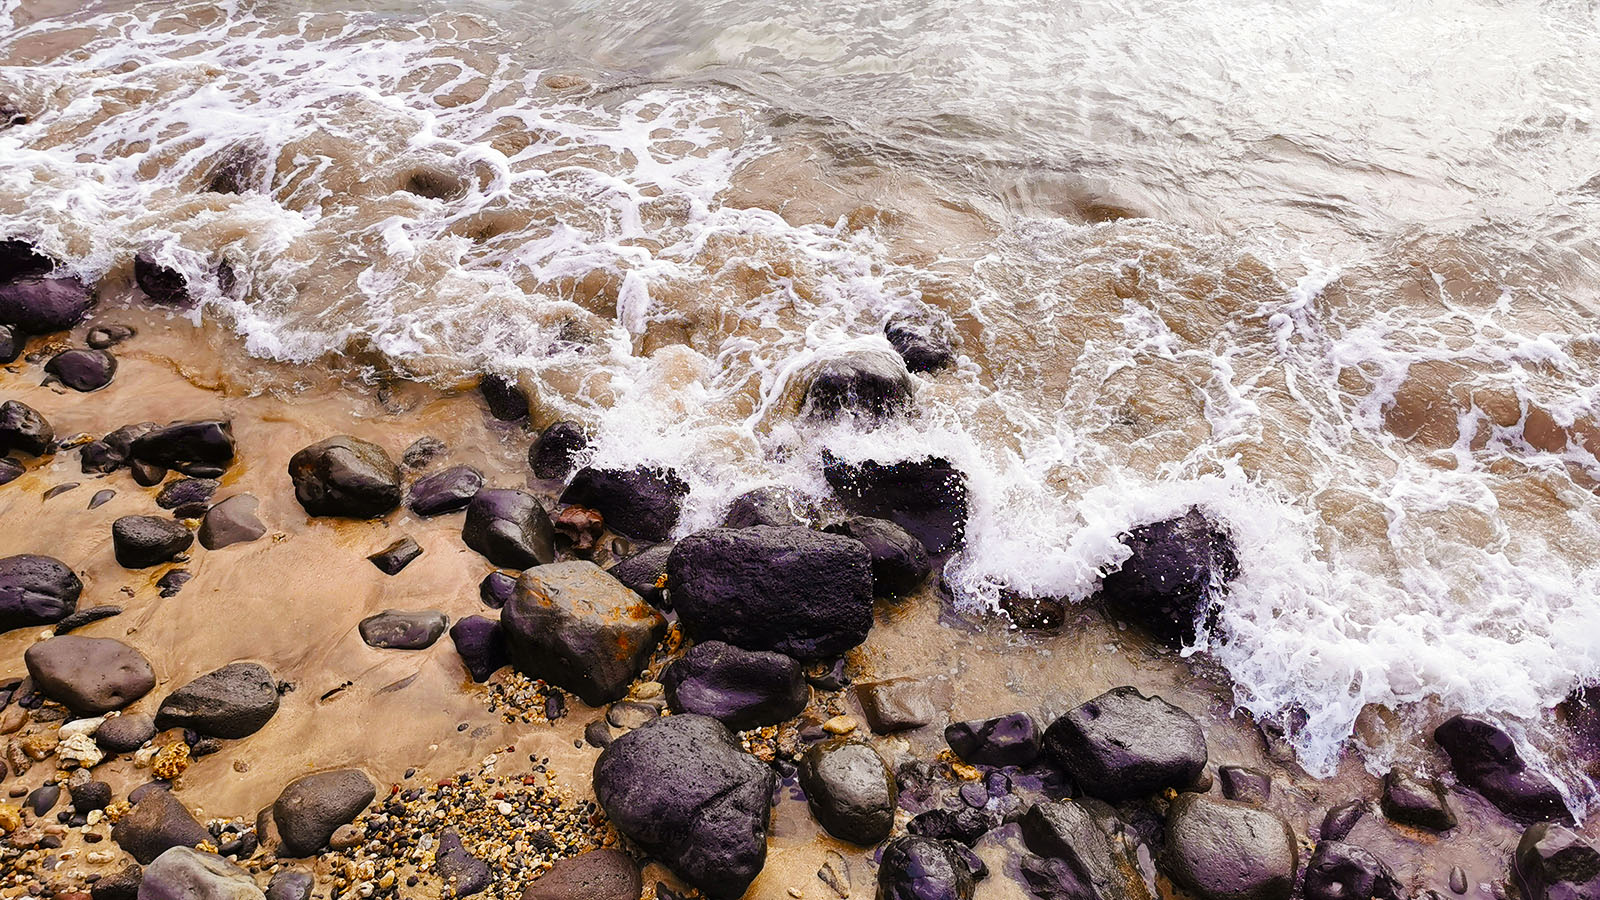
235 701
183 873
850 790
920 868
233 521
1102 868
900 563
201 447
742 689
1553 863
345 476
871 384
157 823
90 676
1340 871
683 790
1009 740
642 503
44 305
509 528
20 259
1172 583
927 497
1223 850
597 875
140 542
555 454
800 592
446 491
24 430
1486 759
36 590
311 808
1122 745
578 628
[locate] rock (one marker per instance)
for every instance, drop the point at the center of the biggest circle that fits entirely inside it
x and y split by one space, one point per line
793 590
895 704
872 385
631 714
1064 830
188 493
509 528
157 823
1486 759
400 629
91 676
120 885
1411 799
555 454
395 557
1122 745
496 589
774 505
964 824
645 573
743 689
233 521
43 305
481 644
685 792
422 452
125 733
506 400
1222 850
113 451
82 370
90 796
447 491
1339 871
235 701
43 799
899 561
1336 825
10 470
144 541
1245 785
23 430
182 873
580 528
464 873
345 476
919 868
290 884
642 503
36 590
162 284
850 790
104 337
596 875
1009 740
19 259
1172 583
196 447
578 628
922 341
1553 863
11 344
926 497
311 807
598 734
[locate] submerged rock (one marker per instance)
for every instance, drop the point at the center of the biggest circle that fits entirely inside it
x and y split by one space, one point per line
84 371
444 492
157 823
402 629
896 704
24 430
1553 863
578 628
850 790
104 337
312 807
510 529
926 497
1122 745
923 341
642 503
140 542
90 676
1340 871
1172 582
742 689
1222 850
162 284
797 591
1065 831
233 521
345 476
919 868
775 505
1245 785
1411 799
595 875
1009 740
900 563
235 701
36 590
555 454
684 791
1486 759
44 305
202 447
183 873
870 384
505 399
481 644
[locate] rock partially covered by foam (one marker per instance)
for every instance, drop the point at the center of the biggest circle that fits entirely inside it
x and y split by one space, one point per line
555 454
1486 759
1122 745
870 384
642 503
772 505
923 340
345 476
36 590
1172 582
505 399
20 259
927 497
44 305
164 285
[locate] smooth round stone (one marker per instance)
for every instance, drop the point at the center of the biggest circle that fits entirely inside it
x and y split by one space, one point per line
82 370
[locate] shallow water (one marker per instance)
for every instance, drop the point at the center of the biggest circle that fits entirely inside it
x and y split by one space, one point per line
1325 269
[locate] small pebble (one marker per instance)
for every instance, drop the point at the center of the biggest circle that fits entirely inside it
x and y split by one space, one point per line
840 725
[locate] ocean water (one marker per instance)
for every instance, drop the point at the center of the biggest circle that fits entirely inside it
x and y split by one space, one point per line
1328 270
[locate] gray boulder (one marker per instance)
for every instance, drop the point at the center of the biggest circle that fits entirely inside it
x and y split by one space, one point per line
183 873
233 521
157 823
311 808
742 689
774 505
850 790
36 590
509 528
91 676
403 629
235 701
1417 800
144 541
125 733
1223 850
1122 745
345 476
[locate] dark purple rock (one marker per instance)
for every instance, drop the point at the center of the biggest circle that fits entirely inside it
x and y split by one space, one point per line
24 430
43 799
113 451
899 561
1415 800
19 259
963 824
464 873
1245 785
391 559
172 582
505 399
1486 759
447 491
44 305
1122 745
291 884
1339 871
85 616
162 284
509 528
496 589
1553 863
82 370
36 590
1222 850
642 503
186 446
742 689
345 476
1009 740
90 676
481 644
919 868
923 341
1172 584
10 470
235 701
1339 821
927 497
400 629
144 541
555 454
645 573
187 492
59 489
91 795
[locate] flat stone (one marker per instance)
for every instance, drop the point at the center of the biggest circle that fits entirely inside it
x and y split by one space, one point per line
596 875
91 676
103 337
743 689
446 491
896 704
187 492
395 557
141 542
182 873
400 629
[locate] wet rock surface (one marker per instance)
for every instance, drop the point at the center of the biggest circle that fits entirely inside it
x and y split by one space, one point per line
510 528
923 341
481 644
643 503
201 447
774 505
144 541
43 305
1222 850
645 573
84 371
125 733
157 823
311 808
1009 740
347 477
1170 585
743 689
1417 800
927 497
234 701
24 430
36 590
401 629
850 790
446 491
899 561
557 451
1553 863
596 875
1123 745
871 385
395 557
1486 759
233 521
896 704
919 868
1339 871
574 626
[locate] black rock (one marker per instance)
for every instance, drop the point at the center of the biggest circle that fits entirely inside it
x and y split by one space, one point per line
1122 745
391 559
104 337
1339 871
157 823
345 476
312 807
290 884
144 541
774 505
1009 740
873 385
899 561
24 430
579 629
555 454
642 503
146 474
191 446
963 824
1411 799
162 284
922 341
43 799
506 400
120 885
44 305
496 589
645 573
113 451
1065 831
1336 825
1172 584
685 792
793 590
36 590
447 491
187 492
927 497
10 470
509 528
481 644
919 868
85 616
1245 785
12 343
1486 759
235 701
19 259
82 370
742 689
1553 863
422 452
90 676
1222 850
850 790
233 521
462 872
91 795
125 733
172 582
401 629
1029 612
